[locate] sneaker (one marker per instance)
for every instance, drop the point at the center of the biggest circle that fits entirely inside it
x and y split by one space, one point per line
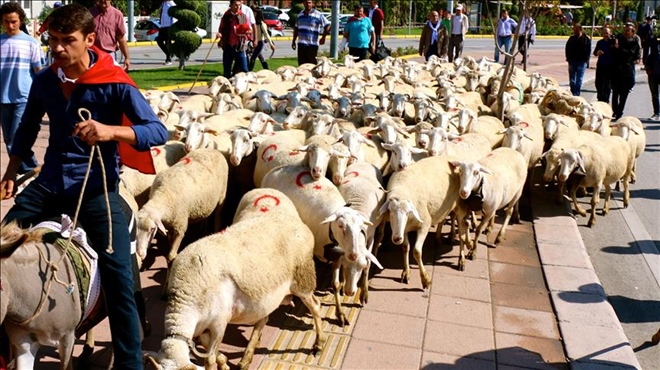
656 117
168 63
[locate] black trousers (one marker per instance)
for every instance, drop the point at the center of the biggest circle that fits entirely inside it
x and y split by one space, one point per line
163 40
307 54
603 83
360 53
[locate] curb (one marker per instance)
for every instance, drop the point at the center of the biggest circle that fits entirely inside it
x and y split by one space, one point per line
590 329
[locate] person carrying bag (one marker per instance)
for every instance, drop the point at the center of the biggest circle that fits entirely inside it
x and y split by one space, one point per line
381 52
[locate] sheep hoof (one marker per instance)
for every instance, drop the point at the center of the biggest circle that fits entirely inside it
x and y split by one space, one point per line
632 181
461 265
245 363
625 204
592 222
405 276
605 211
364 296
343 321
426 282
471 256
498 240
582 212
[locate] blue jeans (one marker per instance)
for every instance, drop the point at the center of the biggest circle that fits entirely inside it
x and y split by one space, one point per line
575 76
10 117
229 55
505 43
36 203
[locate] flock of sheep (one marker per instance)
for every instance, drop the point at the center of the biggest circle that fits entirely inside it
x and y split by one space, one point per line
318 159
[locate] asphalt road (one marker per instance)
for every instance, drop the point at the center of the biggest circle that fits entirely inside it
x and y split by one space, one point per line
622 244
149 56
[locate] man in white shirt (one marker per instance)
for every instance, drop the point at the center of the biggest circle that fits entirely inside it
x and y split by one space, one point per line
459 27
163 40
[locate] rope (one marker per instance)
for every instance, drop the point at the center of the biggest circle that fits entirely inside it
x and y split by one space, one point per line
82 112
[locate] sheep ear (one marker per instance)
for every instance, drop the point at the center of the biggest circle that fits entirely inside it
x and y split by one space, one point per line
580 162
454 165
211 131
329 219
501 132
415 214
302 148
485 170
374 260
526 135
384 208
161 227
417 150
634 129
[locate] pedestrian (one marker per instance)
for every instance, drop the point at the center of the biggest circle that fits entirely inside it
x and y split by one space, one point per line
163 40
645 33
377 18
110 30
526 36
434 40
20 60
360 34
626 52
261 37
312 28
83 76
653 73
603 51
577 52
506 26
446 20
569 17
459 28
234 33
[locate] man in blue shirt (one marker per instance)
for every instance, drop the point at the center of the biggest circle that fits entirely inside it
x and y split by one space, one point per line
360 34
20 60
83 77
310 24
505 29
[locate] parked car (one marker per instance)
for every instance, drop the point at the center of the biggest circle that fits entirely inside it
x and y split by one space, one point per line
270 8
274 24
147 30
284 15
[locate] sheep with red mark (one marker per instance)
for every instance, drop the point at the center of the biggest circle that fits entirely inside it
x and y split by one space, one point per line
212 283
276 151
204 170
497 181
339 231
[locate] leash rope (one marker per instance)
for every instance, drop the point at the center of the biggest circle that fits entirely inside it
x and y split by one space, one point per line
82 112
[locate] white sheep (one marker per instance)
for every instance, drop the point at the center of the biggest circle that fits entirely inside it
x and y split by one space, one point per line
496 181
275 151
362 189
203 174
339 231
602 164
238 277
417 199
487 126
631 129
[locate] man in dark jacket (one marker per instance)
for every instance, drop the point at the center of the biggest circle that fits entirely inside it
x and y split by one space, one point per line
603 51
653 72
626 51
578 51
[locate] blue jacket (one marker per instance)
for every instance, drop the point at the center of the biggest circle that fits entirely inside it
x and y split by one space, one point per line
65 162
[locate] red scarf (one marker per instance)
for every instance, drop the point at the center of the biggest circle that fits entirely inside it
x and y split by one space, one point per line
105 71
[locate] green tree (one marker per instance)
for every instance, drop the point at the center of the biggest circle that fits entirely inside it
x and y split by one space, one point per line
184 40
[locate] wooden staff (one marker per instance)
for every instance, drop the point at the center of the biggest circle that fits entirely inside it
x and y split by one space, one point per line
204 63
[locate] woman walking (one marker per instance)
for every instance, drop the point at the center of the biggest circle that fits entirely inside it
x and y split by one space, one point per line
360 34
261 38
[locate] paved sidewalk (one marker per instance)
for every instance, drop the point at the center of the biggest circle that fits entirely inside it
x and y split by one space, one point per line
533 302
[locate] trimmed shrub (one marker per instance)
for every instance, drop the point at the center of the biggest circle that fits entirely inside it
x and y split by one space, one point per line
184 40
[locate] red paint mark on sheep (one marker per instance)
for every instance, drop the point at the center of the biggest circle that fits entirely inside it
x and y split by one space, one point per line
266 196
349 175
457 140
270 157
318 187
299 178
524 124
155 151
186 160
295 152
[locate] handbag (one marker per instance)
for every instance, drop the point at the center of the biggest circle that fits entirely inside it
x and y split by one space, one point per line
381 52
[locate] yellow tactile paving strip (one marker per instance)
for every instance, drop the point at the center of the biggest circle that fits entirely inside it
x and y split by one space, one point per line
292 348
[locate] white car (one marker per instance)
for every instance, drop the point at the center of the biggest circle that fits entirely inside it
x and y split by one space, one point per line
284 16
147 30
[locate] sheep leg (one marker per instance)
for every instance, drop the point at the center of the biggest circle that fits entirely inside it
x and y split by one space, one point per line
88 348
336 266
626 192
516 213
490 227
453 220
510 210
405 248
417 253
560 192
26 353
633 173
578 208
463 231
66 350
595 199
314 306
215 336
252 344
175 243
608 196
472 254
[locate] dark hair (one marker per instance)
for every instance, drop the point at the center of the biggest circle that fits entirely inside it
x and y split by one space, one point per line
71 18
357 6
258 16
8 8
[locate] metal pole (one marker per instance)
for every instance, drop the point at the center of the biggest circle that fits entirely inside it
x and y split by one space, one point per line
410 19
614 11
450 6
334 41
131 21
499 6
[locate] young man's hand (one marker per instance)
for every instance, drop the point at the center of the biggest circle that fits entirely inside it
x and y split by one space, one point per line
322 40
93 132
7 187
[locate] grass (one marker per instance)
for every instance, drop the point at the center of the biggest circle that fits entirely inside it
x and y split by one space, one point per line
168 76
